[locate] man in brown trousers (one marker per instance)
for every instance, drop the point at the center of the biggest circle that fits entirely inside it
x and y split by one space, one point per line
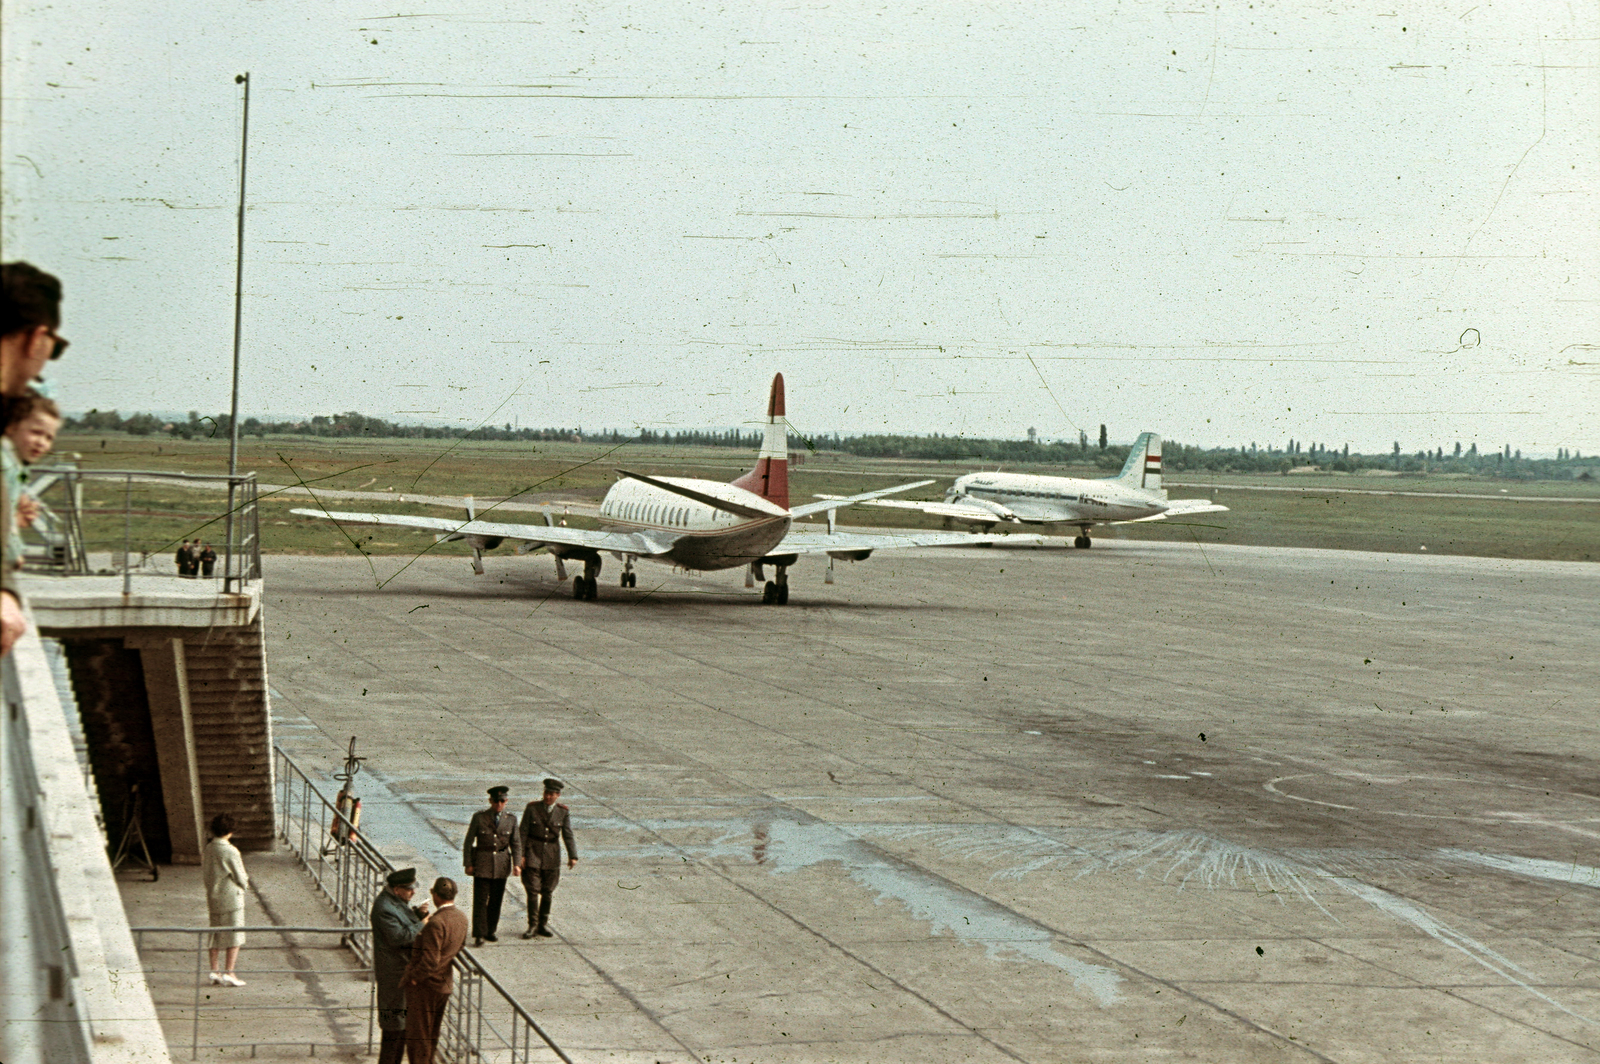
427 980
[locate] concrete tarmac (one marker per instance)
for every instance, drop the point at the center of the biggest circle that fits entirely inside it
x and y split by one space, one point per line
1141 802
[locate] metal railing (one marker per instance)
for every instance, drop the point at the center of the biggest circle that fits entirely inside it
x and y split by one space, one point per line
68 536
483 1023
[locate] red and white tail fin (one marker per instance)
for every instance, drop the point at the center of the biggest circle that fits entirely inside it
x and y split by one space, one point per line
770 478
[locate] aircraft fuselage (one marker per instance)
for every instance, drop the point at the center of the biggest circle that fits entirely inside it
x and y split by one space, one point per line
1055 500
708 538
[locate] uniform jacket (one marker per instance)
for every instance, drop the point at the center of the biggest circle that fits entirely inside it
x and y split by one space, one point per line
394 929
544 829
222 870
492 846
440 939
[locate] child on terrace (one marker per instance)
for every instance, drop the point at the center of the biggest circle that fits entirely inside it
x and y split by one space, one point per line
29 434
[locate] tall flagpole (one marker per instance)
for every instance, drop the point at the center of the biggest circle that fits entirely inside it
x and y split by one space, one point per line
238 282
229 575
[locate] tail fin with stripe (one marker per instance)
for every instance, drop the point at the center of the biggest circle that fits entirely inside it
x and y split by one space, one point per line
770 478
1143 467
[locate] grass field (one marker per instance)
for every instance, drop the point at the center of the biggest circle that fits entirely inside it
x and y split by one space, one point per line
1521 519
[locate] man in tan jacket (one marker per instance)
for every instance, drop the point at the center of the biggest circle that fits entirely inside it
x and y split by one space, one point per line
427 980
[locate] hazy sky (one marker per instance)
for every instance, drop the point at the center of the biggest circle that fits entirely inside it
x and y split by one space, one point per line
1339 222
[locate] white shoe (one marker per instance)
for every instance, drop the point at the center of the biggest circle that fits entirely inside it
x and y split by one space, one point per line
216 979
229 979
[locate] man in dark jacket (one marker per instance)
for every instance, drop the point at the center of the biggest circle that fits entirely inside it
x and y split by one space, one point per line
395 924
491 851
208 560
545 826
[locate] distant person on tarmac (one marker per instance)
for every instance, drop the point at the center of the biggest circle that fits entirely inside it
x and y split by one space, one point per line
396 923
545 826
30 314
427 980
222 871
208 560
180 558
491 851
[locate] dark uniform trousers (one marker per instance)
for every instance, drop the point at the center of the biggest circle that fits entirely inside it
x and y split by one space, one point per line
540 883
545 828
491 850
487 894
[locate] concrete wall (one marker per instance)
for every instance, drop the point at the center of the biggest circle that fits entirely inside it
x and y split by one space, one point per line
173 692
72 990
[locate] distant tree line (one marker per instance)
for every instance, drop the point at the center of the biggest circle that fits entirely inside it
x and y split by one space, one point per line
1176 457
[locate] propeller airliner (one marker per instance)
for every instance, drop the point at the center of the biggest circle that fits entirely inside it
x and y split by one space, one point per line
990 499
693 524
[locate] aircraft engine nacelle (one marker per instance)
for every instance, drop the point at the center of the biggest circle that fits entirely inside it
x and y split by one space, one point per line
1004 513
483 542
851 555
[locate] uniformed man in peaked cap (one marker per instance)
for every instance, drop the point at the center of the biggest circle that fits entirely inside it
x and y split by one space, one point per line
545 826
491 851
395 926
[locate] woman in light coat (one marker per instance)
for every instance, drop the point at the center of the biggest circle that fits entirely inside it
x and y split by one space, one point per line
222 869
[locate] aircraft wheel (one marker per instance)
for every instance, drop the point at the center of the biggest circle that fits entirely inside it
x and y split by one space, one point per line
1081 542
580 588
769 594
593 590
783 594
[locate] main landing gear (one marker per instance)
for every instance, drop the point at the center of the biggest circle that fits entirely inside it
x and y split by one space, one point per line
776 592
587 585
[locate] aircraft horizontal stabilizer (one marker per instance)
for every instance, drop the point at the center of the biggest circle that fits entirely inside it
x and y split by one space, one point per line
1178 508
838 502
644 544
942 509
1181 507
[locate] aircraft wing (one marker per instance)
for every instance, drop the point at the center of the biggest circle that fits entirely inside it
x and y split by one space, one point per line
1179 508
644 544
938 509
860 544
